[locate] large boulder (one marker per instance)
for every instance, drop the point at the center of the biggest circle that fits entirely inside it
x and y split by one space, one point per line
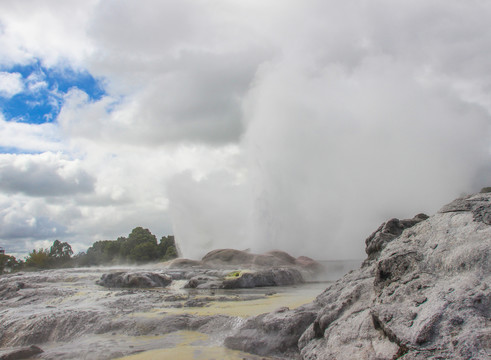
422 293
140 279
274 268
273 333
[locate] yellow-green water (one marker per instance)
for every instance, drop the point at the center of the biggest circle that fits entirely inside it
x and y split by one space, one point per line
191 345
291 298
194 345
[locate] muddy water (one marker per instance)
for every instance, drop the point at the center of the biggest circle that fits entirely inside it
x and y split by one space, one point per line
70 317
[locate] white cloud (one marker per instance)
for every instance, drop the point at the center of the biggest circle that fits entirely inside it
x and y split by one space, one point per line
51 30
43 175
10 84
27 221
29 137
36 82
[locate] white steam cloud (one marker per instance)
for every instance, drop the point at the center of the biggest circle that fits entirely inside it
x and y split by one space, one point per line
365 120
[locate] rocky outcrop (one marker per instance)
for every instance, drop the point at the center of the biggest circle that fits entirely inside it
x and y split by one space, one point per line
275 268
210 277
134 280
424 292
387 232
241 279
66 314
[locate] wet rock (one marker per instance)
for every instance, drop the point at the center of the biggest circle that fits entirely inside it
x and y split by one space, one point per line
246 279
47 326
134 280
23 353
203 282
196 303
275 333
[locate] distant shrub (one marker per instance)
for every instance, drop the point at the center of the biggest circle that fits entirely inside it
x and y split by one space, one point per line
140 246
486 189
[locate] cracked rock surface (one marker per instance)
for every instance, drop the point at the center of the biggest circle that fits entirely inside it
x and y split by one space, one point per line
423 292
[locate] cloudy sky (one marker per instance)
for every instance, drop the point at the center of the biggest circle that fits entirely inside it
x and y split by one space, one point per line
298 125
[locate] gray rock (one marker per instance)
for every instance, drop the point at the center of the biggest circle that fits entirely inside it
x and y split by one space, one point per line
9 290
43 327
248 278
204 282
424 292
134 279
275 333
387 232
275 268
477 204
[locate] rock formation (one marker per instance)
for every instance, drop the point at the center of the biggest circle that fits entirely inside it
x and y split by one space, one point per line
137 279
423 292
22 353
275 268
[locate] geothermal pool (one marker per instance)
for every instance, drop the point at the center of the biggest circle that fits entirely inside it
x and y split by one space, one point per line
68 316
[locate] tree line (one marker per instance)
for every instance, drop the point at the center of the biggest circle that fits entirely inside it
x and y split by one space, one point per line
140 246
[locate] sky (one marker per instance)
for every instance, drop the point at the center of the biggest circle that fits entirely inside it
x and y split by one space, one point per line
292 125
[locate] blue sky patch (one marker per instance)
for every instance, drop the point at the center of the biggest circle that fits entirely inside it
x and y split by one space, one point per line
44 88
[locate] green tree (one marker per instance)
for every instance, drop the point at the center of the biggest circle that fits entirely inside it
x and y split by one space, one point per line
144 252
165 243
39 259
81 259
60 251
167 248
138 236
170 254
104 252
